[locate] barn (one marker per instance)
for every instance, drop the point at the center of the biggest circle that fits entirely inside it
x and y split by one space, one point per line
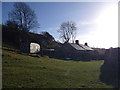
74 51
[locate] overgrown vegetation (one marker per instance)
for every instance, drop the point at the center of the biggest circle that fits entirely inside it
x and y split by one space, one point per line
14 37
26 71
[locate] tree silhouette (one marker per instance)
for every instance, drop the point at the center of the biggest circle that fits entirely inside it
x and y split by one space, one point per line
12 24
68 31
24 16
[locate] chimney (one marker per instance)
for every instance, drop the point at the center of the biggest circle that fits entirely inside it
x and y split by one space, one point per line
77 42
86 44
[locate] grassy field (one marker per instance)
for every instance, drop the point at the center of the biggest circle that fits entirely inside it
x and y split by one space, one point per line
24 71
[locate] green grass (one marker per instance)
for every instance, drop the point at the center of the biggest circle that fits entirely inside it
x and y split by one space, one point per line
24 71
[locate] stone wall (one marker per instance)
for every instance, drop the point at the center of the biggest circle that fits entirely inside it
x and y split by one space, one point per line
25 47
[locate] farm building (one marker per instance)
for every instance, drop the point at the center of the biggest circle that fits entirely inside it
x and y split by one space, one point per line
74 51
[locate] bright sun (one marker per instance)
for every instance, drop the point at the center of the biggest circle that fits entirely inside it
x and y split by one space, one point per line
106 33
107 29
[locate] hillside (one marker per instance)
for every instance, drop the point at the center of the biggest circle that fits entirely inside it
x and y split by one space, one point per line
15 37
22 70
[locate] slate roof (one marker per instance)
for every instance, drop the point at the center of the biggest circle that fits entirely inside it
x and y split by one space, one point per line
80 46
76 46
86 47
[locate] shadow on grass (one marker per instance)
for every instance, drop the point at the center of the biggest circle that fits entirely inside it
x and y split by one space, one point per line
110 69
109 75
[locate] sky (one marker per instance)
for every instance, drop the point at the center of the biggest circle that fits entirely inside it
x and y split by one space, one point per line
96 22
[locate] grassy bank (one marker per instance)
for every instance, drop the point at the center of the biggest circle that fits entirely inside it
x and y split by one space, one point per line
21 70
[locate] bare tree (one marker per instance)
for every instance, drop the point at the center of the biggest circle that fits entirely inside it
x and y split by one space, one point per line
68 31
24 16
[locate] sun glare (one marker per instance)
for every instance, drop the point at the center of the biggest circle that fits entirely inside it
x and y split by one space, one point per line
107 27
106 33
